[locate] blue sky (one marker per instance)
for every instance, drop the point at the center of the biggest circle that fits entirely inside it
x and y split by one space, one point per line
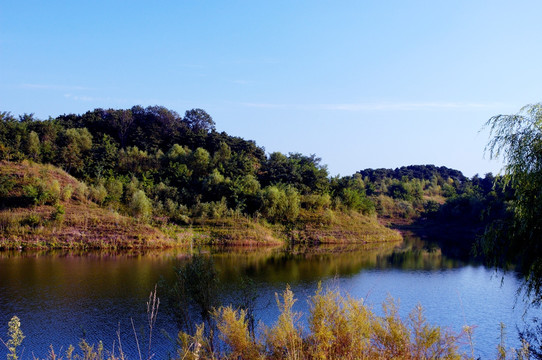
358 83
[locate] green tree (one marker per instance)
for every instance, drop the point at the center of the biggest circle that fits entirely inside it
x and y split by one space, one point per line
141 205
78 142
199 121
33 146
517 239
280 203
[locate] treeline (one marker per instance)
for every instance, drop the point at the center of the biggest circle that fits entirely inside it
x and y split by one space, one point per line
153 163
436 193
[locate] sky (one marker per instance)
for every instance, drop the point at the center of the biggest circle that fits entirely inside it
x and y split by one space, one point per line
361 84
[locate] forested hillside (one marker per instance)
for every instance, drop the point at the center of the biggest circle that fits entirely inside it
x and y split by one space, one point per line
429 191
163 168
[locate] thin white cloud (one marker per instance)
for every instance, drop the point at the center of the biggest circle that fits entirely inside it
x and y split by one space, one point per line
107 101
53 87
82 98
191 66
242 82
379 106
405 106
267 105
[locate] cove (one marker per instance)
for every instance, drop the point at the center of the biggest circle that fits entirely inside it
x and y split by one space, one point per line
62 297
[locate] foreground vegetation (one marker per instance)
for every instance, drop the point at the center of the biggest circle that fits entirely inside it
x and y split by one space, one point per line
339 327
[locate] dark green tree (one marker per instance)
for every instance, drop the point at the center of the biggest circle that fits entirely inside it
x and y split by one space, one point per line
199 121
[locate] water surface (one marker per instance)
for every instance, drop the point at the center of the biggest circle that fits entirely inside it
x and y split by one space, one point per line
62 297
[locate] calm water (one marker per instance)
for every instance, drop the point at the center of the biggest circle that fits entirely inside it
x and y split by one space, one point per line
63 297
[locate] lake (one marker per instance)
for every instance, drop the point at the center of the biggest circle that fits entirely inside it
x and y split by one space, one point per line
62 297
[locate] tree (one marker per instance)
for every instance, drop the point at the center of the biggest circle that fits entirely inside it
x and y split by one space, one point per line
33 146
199 121
77 143
517 238
280 203
140 205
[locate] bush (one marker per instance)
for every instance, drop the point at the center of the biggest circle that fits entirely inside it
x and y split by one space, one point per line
58 213
32 220
6 184
280 204
140 205
114 190
98 194
66 193
40 193
54 191
233 327
316 201
81 192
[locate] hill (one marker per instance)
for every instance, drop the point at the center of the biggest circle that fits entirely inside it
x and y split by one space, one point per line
42 206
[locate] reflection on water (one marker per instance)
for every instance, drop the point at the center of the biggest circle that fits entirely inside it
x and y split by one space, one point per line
64 296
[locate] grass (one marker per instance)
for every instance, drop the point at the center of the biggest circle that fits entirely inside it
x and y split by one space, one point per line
240 231
332 227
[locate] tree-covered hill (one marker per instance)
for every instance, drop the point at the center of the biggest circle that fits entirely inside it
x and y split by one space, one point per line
165 169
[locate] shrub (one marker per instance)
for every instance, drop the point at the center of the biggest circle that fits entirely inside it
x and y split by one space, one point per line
66 193
39 193
114 190
316 201
6 184
58 213
140 205
54 191
233 327
284 339
98 194
15 337
32 220
280 204
81 192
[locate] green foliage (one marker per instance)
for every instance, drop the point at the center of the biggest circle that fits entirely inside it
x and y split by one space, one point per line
114 189
66 193
58 213
39 192
280 204
81 192
32 220
316 201
98 193
516 238
6 185
75 149
356 200
140 205
199 162
33 146
191 173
